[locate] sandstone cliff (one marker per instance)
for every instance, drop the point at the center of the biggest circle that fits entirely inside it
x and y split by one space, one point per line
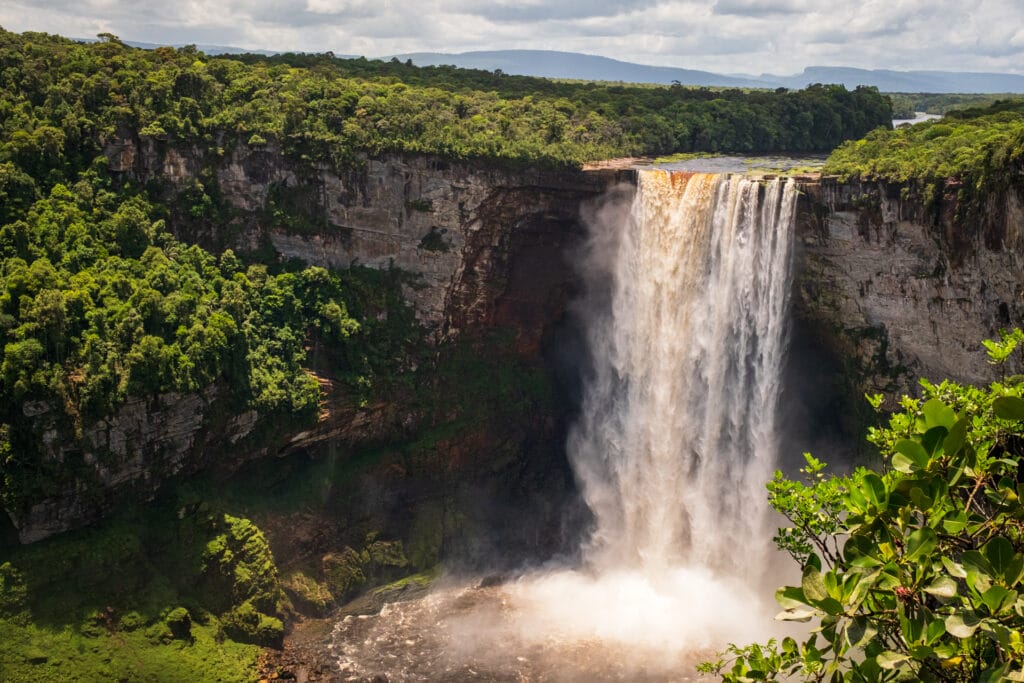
890 288
482 248
901 288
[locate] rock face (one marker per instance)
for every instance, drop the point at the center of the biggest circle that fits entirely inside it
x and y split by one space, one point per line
484 247
901 291
443 222
893 290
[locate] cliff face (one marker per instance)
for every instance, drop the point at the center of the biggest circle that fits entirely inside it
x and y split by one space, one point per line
892 290
902 290
483 248
450 225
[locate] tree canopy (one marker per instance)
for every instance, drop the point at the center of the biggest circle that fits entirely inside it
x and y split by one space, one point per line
60 99
916 571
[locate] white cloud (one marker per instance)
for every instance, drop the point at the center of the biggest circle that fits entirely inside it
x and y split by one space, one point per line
753 36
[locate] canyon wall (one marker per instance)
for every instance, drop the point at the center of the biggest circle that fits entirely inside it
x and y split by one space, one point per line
481 249
900 288
887 287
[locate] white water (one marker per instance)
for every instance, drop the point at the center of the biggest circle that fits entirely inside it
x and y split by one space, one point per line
678 428
686 325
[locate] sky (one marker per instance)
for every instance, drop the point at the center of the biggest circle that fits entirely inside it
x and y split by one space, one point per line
726 36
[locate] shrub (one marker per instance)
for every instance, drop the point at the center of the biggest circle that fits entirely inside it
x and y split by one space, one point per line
915 572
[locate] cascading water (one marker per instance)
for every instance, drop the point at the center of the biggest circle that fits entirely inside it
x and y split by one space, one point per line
677 436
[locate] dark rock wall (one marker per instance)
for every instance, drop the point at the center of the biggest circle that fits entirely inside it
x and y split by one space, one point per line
887 288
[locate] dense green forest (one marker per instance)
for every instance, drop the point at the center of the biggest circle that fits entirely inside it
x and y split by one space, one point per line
979 146
906 105
60 98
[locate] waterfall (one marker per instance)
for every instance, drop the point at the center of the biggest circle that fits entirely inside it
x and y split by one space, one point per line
687 328
686 323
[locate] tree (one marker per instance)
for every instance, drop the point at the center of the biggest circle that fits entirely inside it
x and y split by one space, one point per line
916 572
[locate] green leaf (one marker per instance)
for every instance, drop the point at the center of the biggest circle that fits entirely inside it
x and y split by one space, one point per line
938 414
890 660
932 438
829 606
921 652
954 568
996 598
859 631
942 587
874 490
935 630
795 615
999 553
974 561
813 585
978 581
1009 407
912 628
920 542
954 525
922 501
913 450
861 589
858 546
902 463
791 597
962 624
1015 571
954 441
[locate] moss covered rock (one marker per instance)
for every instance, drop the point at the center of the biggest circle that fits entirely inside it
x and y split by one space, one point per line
343 572
308 595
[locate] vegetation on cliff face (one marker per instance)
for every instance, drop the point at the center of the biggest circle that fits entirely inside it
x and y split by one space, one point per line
179 591
915 572
98 303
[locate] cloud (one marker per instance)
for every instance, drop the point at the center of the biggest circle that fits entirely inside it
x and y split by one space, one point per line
533 11
749 36
759 8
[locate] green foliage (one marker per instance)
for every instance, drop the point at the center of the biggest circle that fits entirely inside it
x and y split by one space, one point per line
906 105
246 624
180 623
61 98
240 579
914 573
977 146
99 303
139 598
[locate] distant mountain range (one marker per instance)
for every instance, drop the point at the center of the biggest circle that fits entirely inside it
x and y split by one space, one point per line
550 64
904 81
553 64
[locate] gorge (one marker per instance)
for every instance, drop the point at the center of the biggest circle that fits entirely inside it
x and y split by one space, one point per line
671 449
884 289
317 368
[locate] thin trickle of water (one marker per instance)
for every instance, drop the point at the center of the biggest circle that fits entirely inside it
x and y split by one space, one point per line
686 323
677 434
